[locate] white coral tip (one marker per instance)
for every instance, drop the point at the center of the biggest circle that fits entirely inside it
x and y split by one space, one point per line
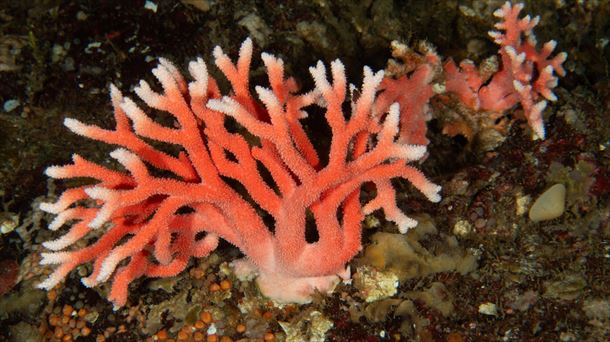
318 73
246 46
404 223
519 87
50 282
58 244
114 90
412 152
267 96
130 108
88 282
374 78
433 193
123 156
54 258
337 69
98 192
549 95
102 216
539 107
147 95
108 266
393 116
539 131
536 20
75 126
50 208
56 172
217 52
45 285
60 219
199 72
198 69
550 45
269 59
225 105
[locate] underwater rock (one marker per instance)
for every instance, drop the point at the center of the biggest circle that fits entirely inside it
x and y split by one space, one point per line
550 205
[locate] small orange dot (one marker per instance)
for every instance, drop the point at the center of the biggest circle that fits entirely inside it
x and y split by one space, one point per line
85 331
100 338
198 336
199 325
269 336
268 315
182 336
58 332
240 328
67 310
226 339
161 334
53 320
188 330
82 312
52 295
225 285
212 338
454 337
67 338
197 273
214 287
206 317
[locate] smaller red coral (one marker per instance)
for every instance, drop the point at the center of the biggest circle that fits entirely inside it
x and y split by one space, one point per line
527 75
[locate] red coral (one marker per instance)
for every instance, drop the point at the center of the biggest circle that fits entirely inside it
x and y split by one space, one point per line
413 94
153 225
527 76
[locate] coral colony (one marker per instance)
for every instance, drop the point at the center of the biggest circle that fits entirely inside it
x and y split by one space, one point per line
526 75
151 225
146 208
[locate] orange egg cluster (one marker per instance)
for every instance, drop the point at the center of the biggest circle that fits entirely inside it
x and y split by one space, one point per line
67 324
109 332
199 332
224 285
